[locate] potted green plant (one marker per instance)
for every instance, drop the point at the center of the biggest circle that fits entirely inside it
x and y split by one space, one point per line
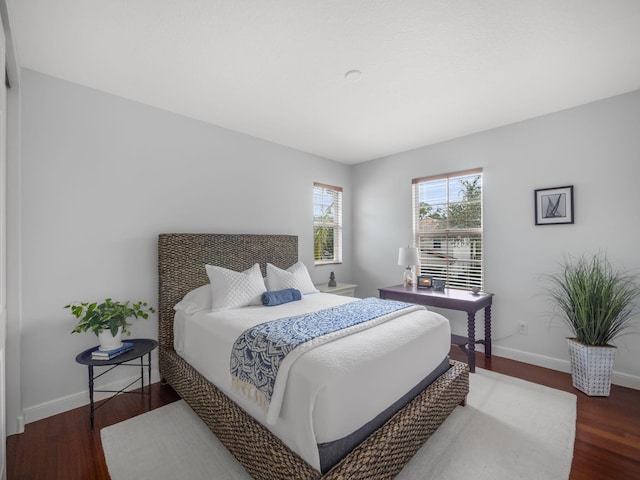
108 320
597 304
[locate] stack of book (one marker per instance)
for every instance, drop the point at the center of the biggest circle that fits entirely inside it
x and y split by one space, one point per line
98 354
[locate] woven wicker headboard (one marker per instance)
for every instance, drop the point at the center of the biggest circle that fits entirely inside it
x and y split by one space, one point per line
182 257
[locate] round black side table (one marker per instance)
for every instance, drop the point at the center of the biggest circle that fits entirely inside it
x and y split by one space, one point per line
141 347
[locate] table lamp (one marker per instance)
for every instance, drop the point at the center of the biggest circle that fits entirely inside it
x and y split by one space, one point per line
408 256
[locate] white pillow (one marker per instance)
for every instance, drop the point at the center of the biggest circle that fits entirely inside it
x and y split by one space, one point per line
230 289
296 276
196 300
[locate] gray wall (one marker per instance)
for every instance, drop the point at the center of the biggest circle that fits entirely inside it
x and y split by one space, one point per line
595 147
98 177
101 177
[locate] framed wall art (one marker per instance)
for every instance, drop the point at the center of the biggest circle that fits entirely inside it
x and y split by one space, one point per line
554 206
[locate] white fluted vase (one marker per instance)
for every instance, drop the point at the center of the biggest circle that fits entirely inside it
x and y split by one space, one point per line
109 341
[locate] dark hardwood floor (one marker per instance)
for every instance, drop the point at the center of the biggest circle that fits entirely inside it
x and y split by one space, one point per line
62 447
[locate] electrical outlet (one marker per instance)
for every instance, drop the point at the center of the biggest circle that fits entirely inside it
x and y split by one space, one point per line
523 328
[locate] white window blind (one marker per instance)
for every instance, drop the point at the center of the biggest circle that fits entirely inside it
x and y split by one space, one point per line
447 227
327 224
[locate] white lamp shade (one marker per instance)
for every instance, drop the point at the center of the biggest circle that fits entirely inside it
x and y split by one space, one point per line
408 256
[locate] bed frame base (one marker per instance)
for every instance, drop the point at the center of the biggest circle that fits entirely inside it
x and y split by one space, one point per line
381 455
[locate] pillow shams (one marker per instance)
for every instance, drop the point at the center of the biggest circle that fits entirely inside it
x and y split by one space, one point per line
230 289
296 276
196 300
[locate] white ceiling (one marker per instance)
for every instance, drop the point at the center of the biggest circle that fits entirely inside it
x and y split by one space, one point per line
432 70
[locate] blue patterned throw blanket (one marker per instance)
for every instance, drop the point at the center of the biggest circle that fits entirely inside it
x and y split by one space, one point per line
262 356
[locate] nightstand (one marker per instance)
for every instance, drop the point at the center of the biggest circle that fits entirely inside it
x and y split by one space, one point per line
142 347
346 289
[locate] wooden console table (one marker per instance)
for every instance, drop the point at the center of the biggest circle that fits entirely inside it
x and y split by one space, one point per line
452 299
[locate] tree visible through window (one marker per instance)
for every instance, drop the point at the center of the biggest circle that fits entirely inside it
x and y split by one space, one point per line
327 224
447 214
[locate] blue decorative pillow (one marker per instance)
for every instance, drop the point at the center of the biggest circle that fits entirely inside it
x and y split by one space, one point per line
278 297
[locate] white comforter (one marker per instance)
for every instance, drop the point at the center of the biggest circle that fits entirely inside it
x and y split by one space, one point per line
333 389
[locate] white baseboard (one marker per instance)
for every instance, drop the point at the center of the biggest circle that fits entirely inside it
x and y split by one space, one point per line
20 424
617 378
80 399
531 358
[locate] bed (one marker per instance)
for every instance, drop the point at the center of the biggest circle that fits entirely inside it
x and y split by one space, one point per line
382 454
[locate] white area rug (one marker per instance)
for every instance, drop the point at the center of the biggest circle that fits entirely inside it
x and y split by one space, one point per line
510 429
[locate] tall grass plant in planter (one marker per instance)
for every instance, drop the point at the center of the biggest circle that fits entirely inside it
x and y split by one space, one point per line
597 303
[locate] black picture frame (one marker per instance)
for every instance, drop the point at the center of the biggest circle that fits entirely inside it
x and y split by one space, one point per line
554 206
425 281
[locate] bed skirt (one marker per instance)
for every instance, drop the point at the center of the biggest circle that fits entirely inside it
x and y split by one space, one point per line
381 455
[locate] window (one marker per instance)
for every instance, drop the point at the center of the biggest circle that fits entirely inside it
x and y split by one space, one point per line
327 224
447 227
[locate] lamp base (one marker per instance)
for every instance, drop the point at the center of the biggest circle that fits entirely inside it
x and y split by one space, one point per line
409 278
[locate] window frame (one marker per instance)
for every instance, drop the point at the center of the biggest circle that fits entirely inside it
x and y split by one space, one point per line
335 223
456 255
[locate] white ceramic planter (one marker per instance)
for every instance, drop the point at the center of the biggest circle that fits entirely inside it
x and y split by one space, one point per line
591 367
108 341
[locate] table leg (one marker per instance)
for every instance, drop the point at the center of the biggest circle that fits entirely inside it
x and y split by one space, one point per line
91 408
149 377
487 331
471 338
142 373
